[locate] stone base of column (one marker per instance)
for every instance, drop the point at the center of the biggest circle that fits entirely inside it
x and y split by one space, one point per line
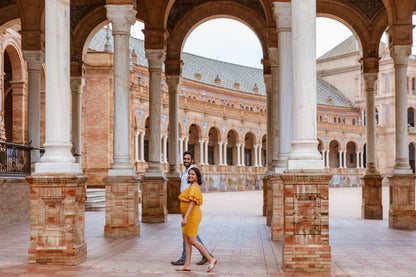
402 214
121 207
154 200
173 191
371 207
57 221
266 180
306 223
277 221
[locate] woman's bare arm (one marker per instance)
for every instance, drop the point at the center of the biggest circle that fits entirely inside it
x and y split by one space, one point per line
188 212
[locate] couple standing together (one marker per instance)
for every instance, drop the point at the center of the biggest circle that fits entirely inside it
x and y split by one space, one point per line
191 199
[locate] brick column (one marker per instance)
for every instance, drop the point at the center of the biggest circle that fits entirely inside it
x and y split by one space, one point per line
121 207
269 199
402 214
154 204
306 245
19 112
278 209
266 180
173 191
57 221
371 207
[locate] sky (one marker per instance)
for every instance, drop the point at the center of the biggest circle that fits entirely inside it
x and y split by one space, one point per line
232 41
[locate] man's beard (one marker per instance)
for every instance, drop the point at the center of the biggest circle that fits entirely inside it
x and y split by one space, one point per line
186 164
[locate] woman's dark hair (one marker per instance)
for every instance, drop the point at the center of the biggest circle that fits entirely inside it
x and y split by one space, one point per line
198 175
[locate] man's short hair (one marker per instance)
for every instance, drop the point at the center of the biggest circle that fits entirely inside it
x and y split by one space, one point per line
188 153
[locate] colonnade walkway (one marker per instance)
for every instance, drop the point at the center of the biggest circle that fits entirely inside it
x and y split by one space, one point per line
234 231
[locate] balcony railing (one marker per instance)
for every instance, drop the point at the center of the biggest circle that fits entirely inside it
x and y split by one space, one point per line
14 159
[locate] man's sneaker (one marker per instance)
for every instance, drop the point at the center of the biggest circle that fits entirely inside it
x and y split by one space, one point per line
179 262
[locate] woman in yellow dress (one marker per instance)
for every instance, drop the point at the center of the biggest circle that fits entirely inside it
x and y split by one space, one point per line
191 199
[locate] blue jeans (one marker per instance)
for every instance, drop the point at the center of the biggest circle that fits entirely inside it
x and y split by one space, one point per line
183 257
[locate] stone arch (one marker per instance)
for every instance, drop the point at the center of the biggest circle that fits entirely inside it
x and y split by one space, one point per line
367 33
252 133
194 145
214 136
412 156
250 141
334 158
351 154
411 117
211 10
15 95
232 140
198 125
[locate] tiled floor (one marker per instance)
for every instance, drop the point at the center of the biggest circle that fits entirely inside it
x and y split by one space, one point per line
235 232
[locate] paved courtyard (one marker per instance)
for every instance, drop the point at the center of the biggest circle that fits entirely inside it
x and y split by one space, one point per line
235 232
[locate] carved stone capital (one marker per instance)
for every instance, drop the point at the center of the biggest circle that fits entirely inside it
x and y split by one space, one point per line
274 57
121 17
283 16
173 83
34 59
369 64
155 58
77 83
369 80
268 82
400 54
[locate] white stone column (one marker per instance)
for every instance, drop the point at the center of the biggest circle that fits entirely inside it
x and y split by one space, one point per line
173 87
57 157
358 160
136 146
255 156
181 150
206 152
341 160
34 60
186 145
165 149
282 12
304 153
225 153
121 17
201 152
142 134
327 158
345 158
155 58
274 63
220 150
260 156
242 155
238 155
77 84
362 159
370 124
400 55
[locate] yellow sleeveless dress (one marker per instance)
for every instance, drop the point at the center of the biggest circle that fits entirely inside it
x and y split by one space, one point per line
193 193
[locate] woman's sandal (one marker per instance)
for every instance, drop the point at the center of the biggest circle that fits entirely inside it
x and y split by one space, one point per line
211 266
181 268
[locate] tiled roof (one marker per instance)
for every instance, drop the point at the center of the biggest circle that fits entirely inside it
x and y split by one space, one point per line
228 73
327 94
350 45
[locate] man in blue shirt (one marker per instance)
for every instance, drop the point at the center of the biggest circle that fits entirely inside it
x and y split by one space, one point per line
188 160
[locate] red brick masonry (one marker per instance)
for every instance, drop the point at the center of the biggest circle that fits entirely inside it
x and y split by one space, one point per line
57 221
306 245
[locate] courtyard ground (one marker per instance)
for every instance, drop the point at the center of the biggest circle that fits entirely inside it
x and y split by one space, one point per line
235 232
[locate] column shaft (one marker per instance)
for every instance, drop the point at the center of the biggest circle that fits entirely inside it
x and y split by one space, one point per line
201 152
304 153
121 17
173 87
225 153
155 59
34 60
238 155
142 146
242 155
400 55
206 152
58 156
136 146
370 124
77 84
220 149
282 12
